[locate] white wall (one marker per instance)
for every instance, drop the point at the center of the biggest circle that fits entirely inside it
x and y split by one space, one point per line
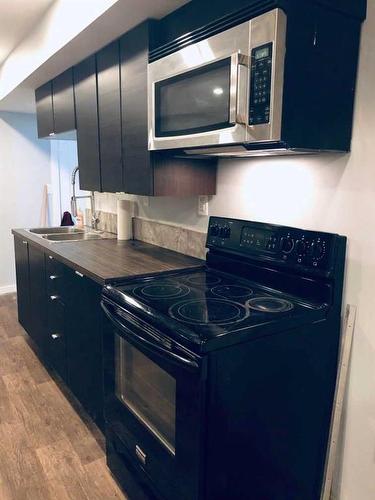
63 161
329 193
24 171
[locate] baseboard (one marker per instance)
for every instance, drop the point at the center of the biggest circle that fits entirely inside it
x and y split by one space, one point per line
7 289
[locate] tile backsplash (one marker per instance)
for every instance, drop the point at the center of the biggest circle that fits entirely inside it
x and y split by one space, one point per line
171 236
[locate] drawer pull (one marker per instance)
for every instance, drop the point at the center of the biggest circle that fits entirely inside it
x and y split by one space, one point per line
141 455
53 277
55 336
24 242
79 274
54 297
50 257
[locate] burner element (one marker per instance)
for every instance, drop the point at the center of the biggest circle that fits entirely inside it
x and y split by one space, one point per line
162 291
232 291
270 304
204 279
208 311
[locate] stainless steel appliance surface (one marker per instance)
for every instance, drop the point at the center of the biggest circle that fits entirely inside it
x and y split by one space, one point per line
219 382
279 81
223 90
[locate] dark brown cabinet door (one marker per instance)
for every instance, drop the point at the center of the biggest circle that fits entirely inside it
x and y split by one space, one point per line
138 170
38 297
84 342
63 102
21 249
109 108
86 99
44 110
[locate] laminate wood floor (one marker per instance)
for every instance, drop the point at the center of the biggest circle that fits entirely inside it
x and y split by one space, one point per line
49 448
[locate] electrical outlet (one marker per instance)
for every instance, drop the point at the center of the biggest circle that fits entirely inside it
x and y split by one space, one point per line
202 205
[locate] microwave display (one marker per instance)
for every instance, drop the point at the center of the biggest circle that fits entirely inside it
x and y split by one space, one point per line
261 80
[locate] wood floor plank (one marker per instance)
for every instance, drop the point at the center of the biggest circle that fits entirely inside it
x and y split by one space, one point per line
49 448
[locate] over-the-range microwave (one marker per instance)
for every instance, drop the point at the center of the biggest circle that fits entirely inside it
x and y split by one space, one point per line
227 95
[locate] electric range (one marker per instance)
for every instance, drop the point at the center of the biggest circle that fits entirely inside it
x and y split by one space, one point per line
207 309
219 380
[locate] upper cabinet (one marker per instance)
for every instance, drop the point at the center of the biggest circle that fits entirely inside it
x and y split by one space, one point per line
109 109
86 100
44 110
55 107
63 102
105 98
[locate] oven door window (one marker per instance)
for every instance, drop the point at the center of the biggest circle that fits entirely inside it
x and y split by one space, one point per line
147 390
195 101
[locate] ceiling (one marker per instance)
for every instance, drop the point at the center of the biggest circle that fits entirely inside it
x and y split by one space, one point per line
17 18
50 45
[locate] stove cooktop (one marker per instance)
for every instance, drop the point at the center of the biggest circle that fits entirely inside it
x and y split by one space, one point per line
210 303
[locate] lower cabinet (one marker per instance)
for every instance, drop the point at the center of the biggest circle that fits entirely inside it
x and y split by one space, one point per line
60 310
21 250
84 342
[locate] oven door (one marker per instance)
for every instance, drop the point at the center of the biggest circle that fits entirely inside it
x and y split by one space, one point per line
154 404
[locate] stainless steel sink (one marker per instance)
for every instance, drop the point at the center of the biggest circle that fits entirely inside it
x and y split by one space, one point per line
73 236
56 230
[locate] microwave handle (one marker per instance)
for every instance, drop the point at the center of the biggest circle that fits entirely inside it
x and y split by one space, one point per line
239 83
140 340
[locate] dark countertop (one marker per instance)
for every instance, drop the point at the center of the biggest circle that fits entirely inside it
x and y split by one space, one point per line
107 260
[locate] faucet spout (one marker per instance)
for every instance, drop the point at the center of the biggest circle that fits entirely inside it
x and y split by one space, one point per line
73 202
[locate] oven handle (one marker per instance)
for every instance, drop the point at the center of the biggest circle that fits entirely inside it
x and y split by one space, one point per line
140 340
239 77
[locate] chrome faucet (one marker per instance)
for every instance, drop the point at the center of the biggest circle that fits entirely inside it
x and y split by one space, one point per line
73 202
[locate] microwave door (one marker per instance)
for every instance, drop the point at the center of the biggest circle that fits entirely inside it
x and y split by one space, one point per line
205 105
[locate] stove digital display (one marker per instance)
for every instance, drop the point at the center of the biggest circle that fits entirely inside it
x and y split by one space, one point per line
258 240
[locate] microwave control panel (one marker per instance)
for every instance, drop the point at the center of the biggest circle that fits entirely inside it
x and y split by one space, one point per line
260 84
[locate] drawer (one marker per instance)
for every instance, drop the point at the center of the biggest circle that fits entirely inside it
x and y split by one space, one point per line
56 341
55 276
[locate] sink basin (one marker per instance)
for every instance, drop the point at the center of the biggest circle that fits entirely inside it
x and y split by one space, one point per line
78 236
56 230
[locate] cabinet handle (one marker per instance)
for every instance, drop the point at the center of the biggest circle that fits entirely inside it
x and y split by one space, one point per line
50 257
55 336
54 297
24 242
141 455
53 277
79 274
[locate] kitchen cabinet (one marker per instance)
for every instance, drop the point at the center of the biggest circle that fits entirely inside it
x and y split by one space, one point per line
84 342
60 310
63 102
44 110
21 250
55 345
37 288
109 109
86 102
145 172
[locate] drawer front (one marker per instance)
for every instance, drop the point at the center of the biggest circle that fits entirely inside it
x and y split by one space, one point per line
56 342
55 277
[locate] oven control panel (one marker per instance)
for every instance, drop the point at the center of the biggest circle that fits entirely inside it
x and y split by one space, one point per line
260 86
292 246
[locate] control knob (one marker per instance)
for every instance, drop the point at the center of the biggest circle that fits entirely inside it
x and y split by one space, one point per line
224 232
286 244
317 250
300 247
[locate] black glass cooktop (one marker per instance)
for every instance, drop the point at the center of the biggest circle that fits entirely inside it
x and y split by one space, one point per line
209 302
